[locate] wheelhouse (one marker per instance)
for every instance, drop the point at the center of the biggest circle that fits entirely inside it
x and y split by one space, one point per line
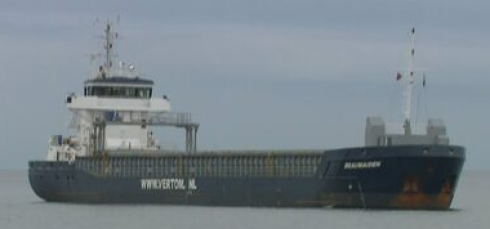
119 87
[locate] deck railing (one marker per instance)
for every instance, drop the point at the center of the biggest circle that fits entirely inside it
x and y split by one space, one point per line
162 119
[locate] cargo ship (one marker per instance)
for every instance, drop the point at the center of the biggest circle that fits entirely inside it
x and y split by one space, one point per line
114 157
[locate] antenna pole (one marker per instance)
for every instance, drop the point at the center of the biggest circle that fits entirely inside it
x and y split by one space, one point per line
109 37
409 83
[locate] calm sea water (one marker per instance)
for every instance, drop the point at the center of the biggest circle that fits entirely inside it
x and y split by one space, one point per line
20 208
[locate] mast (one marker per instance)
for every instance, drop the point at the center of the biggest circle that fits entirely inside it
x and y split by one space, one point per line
109 37
409 81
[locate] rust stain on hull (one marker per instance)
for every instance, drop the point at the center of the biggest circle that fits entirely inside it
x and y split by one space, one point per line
413 197
446 195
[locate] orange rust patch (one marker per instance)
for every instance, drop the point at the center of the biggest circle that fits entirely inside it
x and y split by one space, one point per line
411 195
445 196
412 200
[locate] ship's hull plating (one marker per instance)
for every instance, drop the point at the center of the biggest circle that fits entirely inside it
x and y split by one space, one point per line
404 177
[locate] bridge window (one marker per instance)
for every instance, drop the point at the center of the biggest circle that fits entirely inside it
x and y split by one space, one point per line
122 92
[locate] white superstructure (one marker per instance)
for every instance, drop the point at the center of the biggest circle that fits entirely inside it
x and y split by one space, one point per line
115 93
433 133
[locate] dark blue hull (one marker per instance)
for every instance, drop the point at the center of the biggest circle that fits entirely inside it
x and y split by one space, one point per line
412 177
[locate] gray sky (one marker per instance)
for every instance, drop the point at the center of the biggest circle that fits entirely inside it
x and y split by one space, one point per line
256 73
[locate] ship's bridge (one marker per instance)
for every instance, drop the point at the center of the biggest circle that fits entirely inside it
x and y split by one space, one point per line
119 87
119 99
118 93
